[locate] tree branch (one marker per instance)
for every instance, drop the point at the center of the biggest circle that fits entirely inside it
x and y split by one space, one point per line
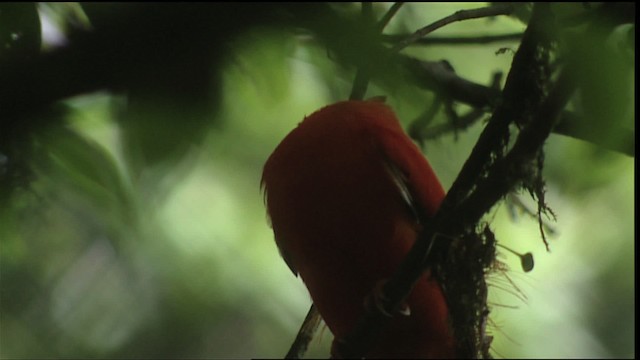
506 173
469 198
519 89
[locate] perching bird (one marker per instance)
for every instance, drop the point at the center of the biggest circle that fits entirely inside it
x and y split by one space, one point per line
342 191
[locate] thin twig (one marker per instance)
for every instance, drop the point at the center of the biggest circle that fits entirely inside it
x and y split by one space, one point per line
367 10
463 122
493 10
438 76
417 126
360 84
389 15
456 40
305 334
362 76
515 202
361 81
420 132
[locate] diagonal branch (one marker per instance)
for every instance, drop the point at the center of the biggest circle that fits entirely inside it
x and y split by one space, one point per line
506 173
305 334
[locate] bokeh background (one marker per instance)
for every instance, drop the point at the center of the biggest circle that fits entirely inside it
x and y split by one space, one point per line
116 252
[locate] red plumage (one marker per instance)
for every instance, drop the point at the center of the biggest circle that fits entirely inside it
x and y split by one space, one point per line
339 189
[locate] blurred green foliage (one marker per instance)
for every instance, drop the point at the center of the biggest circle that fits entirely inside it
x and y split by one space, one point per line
141 232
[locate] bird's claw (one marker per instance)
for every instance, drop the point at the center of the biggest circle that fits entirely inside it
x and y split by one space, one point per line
380 302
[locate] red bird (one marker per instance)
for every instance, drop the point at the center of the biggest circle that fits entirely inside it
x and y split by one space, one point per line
340 190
